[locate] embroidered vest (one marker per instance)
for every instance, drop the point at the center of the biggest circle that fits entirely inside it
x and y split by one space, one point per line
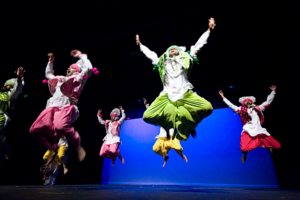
245 117
186 60
116 127
70 88
4 101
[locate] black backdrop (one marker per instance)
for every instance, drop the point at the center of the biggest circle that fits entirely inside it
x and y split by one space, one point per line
253 46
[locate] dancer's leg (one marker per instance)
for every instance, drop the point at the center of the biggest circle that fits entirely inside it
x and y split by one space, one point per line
63 120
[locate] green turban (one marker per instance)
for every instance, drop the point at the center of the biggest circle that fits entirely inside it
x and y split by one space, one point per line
10 83
171 47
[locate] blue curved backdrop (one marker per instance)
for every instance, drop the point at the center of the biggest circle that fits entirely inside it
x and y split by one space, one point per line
214 157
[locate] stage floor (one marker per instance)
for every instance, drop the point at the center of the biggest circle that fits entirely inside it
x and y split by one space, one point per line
124 192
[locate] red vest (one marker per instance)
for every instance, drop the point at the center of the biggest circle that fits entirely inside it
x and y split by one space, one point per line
245 117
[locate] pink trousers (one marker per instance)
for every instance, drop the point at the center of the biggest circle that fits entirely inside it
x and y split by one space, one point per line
52 124
110 151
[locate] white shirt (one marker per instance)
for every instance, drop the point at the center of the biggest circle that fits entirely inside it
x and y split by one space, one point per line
59 99
176 83
253 127
62 142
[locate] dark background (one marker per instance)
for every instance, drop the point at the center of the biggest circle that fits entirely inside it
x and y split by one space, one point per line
253 46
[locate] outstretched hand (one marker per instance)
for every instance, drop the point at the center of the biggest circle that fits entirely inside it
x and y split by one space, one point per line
211 23
221 94
273 88
137 39
145 101
20 72
99 111
51 57
121 108
75 53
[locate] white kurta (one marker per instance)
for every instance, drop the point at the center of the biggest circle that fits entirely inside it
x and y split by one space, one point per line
58 99
176 83
253 127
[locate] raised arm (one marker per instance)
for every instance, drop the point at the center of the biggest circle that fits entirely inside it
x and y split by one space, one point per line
270 99
203 39
148 53
121 120
49 69
229 104
100 117
19 82
84 63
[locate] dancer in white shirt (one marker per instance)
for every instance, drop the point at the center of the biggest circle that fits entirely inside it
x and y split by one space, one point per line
253 135
177 108
110 148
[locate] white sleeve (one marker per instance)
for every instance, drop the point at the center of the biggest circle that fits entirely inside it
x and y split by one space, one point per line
147 106
230 105
266 104
14 93
202 41
49 71
149 54
85 65
121 120
100 120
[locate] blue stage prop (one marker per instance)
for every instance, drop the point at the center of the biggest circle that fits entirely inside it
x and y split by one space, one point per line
214 157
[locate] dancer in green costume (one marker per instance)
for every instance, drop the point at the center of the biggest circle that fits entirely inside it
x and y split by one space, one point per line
8 94
177 107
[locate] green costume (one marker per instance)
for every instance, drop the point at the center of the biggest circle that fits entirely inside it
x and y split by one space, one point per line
186 111
5 103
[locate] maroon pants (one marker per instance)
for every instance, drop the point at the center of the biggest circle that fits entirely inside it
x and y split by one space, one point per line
249 143
52 124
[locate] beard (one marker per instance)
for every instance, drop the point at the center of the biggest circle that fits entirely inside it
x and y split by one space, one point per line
4 89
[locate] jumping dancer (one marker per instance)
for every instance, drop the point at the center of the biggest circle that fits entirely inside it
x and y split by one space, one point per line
50 173
110 148
253 135
177 109
164 144
61 109
8 94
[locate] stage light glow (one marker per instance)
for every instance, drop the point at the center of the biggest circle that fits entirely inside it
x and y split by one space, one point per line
214 157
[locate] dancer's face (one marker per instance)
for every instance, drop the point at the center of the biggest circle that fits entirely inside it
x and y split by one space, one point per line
70 71
248 103
173 52
6 88
113 118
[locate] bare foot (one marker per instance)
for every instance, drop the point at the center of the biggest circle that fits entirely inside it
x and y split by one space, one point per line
113 162
165 161
6 157
271 150
65 170
184 158
244 157
81 154
51 157
123 161
56 168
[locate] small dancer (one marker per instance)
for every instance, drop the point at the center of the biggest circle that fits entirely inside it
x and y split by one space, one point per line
110 148
177 109
51 172
61 110
8 94
253 135
164 144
